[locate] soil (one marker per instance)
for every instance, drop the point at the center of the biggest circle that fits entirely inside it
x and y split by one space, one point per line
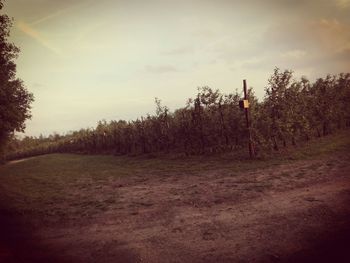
296 212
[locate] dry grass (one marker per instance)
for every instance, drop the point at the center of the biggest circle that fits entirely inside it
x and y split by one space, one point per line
168 209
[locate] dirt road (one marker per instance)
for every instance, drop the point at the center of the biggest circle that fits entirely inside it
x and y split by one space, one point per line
297 212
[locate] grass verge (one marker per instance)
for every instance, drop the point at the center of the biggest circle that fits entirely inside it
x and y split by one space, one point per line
37 183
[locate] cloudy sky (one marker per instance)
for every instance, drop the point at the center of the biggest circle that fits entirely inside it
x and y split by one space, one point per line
88 60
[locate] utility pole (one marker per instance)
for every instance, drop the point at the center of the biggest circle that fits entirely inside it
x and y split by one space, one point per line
245 105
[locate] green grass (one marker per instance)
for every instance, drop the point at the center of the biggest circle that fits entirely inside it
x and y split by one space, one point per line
50 179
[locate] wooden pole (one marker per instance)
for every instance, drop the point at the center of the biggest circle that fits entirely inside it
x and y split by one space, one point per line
246 111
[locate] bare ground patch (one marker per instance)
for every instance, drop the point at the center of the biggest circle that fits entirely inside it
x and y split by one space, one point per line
276 214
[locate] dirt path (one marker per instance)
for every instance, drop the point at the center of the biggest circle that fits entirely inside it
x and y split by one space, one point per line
296 212
20 160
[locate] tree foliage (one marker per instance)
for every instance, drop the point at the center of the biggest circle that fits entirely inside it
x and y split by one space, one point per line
15 99
291 112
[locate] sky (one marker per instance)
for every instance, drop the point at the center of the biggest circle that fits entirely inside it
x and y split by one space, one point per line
87 60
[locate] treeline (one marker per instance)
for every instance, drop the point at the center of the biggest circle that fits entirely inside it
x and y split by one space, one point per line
291 112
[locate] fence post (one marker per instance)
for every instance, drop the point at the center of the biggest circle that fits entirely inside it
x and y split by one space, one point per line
247 115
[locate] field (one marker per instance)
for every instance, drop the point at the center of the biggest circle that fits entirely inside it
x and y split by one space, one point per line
81 208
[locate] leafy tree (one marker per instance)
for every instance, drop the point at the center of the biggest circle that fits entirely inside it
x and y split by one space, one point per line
291 112
275 101
15 99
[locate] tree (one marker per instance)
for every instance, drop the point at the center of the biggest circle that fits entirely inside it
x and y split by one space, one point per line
275 101
292 112
15 99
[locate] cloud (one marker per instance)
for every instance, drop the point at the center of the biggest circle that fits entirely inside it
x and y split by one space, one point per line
332 34
88 31
50 16
60 12
179 51
294 54
216 43
320 35
343 56
160 69
343 3
31 32
252 63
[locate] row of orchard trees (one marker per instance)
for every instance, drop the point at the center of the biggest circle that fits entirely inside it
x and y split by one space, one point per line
291 112
298 110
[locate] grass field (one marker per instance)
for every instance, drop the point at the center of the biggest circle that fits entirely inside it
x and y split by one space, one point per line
174 209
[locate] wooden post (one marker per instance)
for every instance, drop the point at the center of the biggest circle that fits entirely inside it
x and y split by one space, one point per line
246 111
